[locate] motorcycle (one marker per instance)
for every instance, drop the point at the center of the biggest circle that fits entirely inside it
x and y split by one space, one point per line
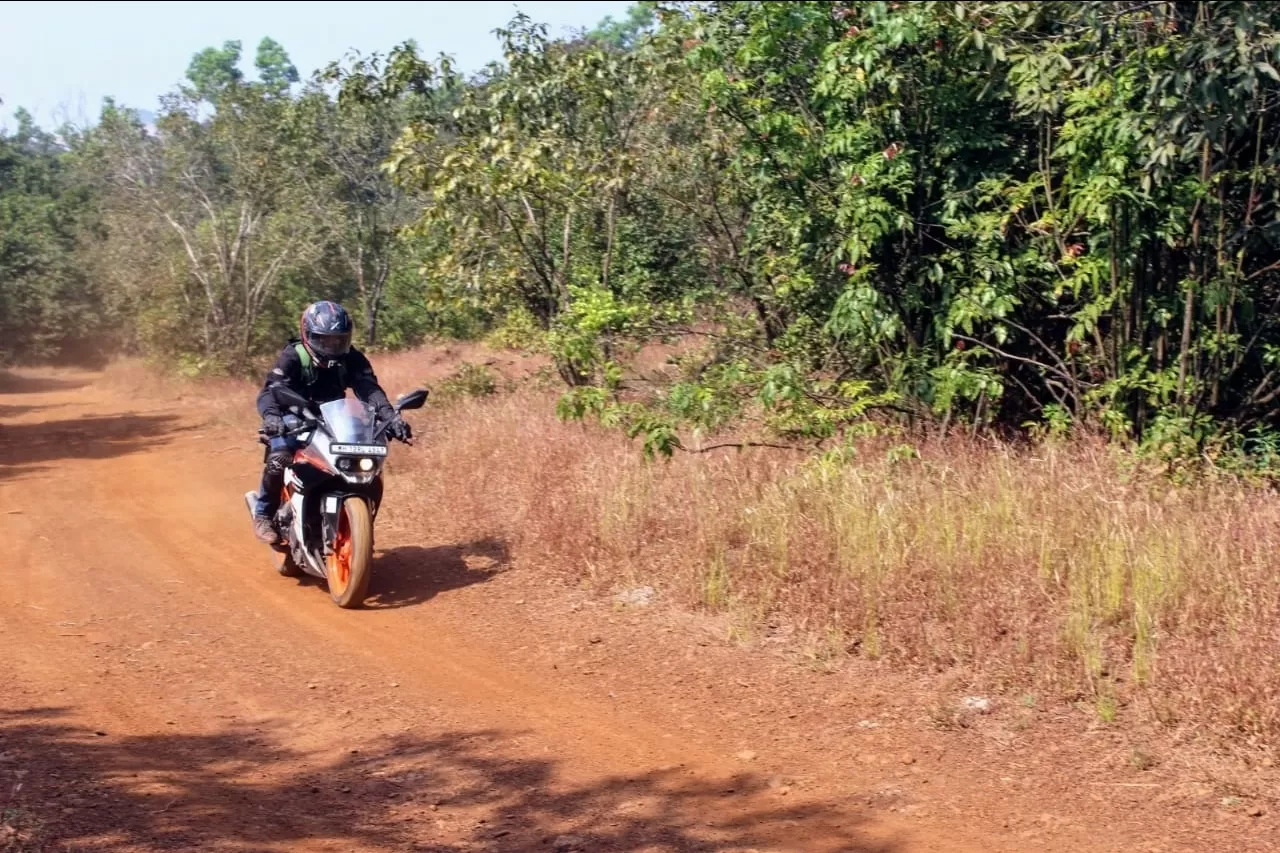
332 491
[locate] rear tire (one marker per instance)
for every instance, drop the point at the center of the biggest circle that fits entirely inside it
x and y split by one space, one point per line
349 566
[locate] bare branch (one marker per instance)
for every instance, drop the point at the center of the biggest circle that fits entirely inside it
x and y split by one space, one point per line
741 445
1031 361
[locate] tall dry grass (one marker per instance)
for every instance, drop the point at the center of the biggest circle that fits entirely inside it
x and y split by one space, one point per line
1041 571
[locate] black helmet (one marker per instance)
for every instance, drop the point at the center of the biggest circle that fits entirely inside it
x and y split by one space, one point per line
326 332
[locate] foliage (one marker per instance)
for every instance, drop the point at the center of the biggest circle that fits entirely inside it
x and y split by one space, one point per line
231 206
246 201
213 70
274 68
469 380
1003 215
46 301
1002 211
531 178
626 33
517 330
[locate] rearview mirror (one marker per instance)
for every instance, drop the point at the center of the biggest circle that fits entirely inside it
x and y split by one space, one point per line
289 398
412 400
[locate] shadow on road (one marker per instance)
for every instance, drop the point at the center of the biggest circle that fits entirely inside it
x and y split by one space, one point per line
66 787
24 447
17 383
409 575
15 411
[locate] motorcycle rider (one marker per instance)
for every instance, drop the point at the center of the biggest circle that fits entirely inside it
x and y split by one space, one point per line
320 366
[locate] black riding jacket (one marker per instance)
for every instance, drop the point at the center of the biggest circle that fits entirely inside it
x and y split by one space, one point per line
328 383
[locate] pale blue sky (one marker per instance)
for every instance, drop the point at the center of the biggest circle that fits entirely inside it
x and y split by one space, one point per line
60 59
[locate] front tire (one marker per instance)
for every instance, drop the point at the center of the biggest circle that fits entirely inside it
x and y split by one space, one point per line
350 564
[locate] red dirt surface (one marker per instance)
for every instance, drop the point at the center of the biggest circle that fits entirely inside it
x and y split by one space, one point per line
162 689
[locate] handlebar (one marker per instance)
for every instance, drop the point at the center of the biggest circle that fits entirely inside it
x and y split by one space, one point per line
290 399
308 425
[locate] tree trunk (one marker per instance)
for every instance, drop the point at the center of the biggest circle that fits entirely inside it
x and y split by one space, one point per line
370 325
563 302
1119 321
610 227
1197 270
1220 320
250 315
366 302
373 304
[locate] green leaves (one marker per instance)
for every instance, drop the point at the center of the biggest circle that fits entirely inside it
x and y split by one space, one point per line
275 70
49 306
213 70
1029 186
833 213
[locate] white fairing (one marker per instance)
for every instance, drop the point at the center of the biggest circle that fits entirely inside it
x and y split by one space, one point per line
295 534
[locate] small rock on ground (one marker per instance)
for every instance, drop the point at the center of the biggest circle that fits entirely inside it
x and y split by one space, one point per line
638 597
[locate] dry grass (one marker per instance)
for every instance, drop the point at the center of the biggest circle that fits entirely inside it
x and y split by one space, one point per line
1025 571
1040 571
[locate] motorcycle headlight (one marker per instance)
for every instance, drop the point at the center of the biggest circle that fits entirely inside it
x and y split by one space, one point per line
366 464
344 464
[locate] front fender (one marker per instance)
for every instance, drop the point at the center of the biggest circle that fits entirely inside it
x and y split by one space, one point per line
330 502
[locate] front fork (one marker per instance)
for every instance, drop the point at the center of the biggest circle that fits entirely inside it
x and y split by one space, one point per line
331 510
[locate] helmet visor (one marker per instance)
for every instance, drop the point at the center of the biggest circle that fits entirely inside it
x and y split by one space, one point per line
330 345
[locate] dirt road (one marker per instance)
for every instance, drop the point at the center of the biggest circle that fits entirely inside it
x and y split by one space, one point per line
162 688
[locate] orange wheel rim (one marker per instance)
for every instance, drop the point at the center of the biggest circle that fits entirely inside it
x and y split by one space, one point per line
340 559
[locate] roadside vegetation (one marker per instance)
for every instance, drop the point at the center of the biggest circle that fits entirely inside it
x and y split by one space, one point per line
943 334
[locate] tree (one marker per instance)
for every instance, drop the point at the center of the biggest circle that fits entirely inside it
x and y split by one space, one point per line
48 306
528 180
1004 210
625 34
977 213
213 70
227 189
275 71
363 209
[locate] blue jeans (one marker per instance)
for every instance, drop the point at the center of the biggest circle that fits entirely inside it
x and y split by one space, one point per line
279 454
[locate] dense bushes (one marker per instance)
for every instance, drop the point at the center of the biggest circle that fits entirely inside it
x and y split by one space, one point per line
995 214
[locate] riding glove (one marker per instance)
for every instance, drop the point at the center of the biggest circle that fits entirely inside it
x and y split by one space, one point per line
272 425
398 429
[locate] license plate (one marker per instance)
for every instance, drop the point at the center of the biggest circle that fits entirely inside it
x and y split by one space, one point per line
359 449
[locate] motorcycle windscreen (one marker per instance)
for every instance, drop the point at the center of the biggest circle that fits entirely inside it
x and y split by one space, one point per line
350 421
